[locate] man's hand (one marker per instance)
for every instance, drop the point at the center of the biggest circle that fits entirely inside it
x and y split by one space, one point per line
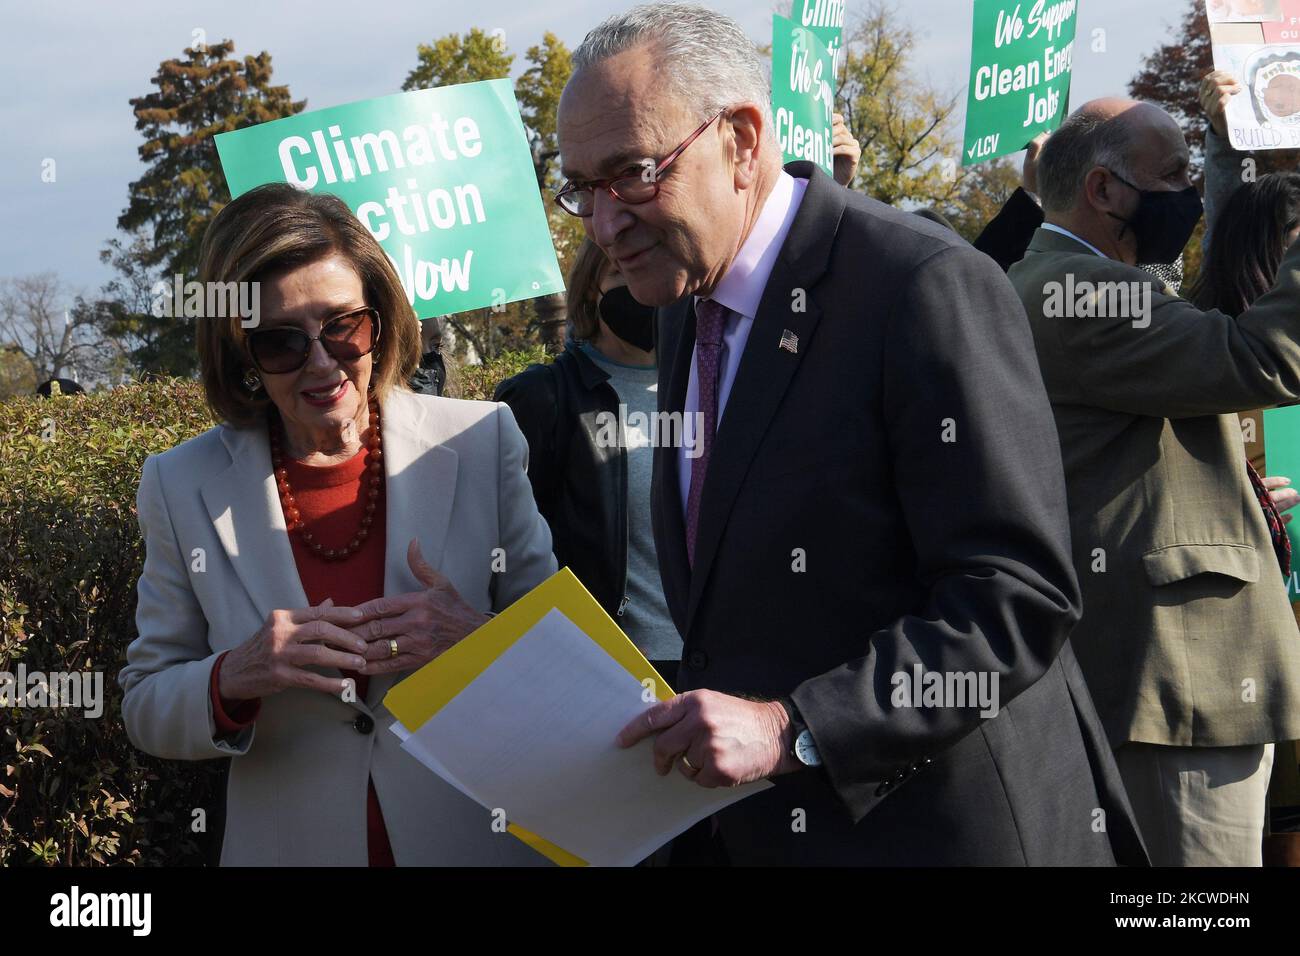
423 623
846 152
1029 172
1284 496
1216 89
724 741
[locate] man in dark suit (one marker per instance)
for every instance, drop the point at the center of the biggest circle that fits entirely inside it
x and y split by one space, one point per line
870 562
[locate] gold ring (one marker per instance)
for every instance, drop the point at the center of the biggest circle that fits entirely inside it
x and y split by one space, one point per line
687 760
392 647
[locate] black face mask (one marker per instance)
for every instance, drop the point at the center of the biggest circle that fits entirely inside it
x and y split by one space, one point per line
1163 223
628 319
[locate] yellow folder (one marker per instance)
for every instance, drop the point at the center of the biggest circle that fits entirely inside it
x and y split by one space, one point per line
429 689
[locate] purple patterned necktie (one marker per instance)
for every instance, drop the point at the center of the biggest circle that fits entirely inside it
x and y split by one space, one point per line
710 318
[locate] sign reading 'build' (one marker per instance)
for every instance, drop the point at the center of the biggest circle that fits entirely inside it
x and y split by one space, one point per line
1258 42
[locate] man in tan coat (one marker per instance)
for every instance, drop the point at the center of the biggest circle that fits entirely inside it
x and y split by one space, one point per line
1187 640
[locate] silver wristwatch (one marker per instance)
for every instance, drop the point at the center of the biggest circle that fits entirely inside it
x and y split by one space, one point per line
803 748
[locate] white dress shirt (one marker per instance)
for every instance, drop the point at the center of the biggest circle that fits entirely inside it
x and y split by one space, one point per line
740 290
1053 227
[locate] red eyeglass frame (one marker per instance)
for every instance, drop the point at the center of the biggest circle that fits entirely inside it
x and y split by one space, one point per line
608 184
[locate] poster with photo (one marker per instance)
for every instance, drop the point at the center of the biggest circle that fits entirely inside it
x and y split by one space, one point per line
1244 11
1258 42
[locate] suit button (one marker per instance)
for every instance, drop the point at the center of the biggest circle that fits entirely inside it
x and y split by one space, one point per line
884 788
697 660
364 724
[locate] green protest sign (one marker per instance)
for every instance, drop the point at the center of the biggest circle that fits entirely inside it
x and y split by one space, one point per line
825 18
1282 457
803 93
442 178
1021 58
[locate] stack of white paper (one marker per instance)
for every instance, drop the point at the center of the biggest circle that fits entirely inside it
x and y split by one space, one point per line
533 735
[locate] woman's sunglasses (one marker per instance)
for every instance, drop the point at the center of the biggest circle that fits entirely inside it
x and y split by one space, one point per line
285 348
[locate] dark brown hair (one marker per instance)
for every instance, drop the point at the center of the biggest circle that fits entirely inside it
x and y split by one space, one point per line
589 266
266 232
1250 238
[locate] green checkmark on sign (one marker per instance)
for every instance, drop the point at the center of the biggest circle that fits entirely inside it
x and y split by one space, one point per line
1021 62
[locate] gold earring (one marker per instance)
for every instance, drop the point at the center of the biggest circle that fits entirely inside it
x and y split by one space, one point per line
252 381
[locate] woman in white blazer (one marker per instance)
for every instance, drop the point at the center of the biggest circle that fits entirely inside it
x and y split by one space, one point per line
407 518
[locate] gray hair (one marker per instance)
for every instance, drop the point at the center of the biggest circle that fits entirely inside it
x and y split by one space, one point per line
705 58
1084 141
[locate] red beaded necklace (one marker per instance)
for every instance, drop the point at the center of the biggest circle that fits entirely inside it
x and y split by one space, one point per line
374 468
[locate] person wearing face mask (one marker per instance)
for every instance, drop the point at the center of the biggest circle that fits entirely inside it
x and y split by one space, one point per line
589 418
1187 641
1007 235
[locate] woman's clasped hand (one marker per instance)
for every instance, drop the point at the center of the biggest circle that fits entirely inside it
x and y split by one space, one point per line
291 646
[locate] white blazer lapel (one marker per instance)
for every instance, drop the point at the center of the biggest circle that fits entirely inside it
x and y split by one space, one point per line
244 506
419 487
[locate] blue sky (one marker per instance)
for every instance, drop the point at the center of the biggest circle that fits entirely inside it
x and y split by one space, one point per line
68 68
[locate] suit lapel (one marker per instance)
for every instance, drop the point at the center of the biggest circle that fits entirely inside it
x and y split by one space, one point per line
766 368
244 507
419 486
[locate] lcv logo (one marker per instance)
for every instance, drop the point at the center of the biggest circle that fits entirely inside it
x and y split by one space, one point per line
102 909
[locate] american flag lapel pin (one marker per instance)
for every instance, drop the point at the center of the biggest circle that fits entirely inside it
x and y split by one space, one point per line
790 342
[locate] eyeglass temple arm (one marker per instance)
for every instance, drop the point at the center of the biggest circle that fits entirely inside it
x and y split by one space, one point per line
668 160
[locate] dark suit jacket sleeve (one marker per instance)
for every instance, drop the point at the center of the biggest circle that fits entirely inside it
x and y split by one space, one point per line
1182 362
978 478
532 398
1007 235
1222 177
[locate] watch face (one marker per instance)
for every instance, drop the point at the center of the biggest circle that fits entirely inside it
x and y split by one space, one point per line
806 750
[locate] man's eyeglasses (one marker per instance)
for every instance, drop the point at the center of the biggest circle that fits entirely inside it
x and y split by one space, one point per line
579 198
285 348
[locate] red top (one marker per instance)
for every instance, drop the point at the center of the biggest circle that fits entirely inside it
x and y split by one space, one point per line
331 501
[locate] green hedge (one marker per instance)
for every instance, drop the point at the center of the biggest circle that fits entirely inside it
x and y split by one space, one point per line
73 791
480 381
